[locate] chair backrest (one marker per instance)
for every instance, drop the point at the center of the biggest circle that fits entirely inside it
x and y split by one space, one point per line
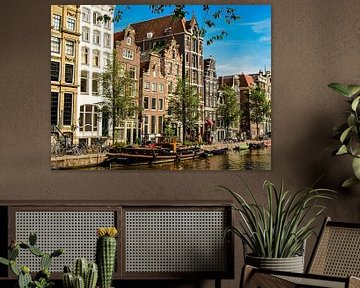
337 251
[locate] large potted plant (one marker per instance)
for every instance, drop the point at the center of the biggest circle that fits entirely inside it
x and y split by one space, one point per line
349 131
274 235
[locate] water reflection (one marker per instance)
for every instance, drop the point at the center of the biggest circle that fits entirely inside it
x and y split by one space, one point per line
232 160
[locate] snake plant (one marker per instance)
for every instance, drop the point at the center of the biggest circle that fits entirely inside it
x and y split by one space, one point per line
279 228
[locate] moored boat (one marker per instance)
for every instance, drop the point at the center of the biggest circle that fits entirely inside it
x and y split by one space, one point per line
145 155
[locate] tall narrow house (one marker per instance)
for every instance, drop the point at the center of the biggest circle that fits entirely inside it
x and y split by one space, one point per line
96 48
210 99
65 35
128 55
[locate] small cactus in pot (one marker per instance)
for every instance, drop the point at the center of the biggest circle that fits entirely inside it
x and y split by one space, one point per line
106 254
85 275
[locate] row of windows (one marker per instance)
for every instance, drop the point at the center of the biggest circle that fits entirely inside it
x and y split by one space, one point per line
56 46
96 20
66 111
128 54
154 87
96 57
55 72
70 23
89 114
84 83
156 124
96 37
155 105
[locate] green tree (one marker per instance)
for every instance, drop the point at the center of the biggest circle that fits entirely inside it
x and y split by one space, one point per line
184 106
117 91
229 108
259 107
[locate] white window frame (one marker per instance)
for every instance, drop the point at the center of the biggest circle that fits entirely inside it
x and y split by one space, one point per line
85 15
95 20
57 24
96 37
57 43
161 87
59 72
69 44
147 85
128 40
96 54
95 76
161 107
128 54
85 51
106 58
71 24
153 100
72 73
87 81
153 87
107 24
107 40
148 103
85 34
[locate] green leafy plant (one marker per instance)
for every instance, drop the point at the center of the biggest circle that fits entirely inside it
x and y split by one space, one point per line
279 229
42 278
349 132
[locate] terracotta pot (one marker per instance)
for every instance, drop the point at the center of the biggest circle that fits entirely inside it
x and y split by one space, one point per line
291 264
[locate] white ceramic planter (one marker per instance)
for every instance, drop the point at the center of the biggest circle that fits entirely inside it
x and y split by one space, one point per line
291 264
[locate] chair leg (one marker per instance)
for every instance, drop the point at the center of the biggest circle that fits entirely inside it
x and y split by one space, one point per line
217 283
246 273
250 278
354 282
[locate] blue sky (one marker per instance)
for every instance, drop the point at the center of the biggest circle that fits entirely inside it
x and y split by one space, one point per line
246 49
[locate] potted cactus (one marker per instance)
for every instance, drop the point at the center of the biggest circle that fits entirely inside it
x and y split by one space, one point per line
42 278
84 275
106 254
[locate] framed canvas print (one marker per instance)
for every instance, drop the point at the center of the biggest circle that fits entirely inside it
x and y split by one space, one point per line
169 87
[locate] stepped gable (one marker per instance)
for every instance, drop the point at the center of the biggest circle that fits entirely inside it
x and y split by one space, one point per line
159 27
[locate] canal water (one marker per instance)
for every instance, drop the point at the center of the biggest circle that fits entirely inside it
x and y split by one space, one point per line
233 160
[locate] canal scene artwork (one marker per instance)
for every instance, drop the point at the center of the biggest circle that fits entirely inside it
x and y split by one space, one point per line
161 87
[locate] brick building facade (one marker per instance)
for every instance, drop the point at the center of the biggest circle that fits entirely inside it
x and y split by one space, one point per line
128 54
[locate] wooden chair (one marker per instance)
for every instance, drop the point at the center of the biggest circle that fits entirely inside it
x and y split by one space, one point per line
334 263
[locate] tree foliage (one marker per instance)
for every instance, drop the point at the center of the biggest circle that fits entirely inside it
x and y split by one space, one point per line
117 91
259 107
229 109
184 106
348 132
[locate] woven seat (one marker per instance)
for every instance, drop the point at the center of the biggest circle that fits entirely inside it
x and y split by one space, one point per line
335 262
